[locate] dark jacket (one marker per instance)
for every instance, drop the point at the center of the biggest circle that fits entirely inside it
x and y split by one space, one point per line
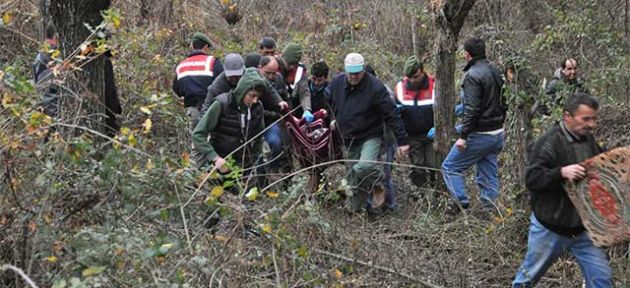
194 75
484 108
45 84
560 84
297 89
549 201
230 124
361 111
417 106
318 96
269 99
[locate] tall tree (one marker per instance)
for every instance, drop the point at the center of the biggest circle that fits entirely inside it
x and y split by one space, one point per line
449 17
85 94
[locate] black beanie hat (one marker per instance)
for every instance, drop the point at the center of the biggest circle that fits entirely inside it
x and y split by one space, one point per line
252 60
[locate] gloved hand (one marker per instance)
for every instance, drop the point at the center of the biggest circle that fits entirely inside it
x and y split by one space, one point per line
459 110
458 128
431 133
308 116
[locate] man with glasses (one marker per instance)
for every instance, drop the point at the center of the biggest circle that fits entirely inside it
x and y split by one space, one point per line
415 95
268 70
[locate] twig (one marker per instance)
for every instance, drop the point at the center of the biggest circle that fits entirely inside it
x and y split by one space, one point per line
378 267
275 266
19 271
181 211
139 152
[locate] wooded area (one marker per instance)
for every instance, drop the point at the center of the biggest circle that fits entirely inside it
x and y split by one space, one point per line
84 205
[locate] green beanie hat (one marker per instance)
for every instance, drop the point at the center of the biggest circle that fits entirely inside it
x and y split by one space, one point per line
198 36
292 53
412 65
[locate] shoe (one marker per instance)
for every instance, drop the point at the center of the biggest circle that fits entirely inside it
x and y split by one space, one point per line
454 208
378 197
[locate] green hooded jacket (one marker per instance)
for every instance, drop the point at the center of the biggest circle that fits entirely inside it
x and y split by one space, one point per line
208 123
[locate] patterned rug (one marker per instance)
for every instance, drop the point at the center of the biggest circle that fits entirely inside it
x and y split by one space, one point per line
602 199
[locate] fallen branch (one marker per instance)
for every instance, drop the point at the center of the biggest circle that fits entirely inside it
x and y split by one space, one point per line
19 272
378 267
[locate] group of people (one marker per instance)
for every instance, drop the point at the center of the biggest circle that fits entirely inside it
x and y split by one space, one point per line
233 107
230 105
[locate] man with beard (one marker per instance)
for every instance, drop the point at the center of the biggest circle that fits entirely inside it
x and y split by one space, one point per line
415 94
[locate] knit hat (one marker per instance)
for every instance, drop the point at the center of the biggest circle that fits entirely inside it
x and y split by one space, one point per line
198 36
354 63
252 60
292 53
412 65
234 65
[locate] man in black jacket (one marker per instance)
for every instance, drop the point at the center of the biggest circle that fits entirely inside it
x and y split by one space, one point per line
415 95
481 133
194 74
555 225
362 106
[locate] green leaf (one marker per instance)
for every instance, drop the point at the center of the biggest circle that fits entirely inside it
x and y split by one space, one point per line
60 283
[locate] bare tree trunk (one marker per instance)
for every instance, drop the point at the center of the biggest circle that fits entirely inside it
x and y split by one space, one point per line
449 17
69 18
414 37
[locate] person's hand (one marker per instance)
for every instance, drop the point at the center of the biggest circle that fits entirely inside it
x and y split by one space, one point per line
403 150
460 144
573 172
459 110
308 116
219 163
333 125
431 133
283 105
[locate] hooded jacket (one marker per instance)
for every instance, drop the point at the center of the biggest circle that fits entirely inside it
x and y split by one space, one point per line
362 110
230 124
270 98
484 108
549 200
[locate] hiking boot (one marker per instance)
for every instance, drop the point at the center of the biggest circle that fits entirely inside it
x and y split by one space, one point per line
454 207
378 197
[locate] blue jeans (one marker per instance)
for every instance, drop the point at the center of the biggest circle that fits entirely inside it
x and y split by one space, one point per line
274 140
481 150
544 247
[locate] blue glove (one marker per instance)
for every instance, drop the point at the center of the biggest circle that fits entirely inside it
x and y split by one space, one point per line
458 128
308 116
431 133
459 110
